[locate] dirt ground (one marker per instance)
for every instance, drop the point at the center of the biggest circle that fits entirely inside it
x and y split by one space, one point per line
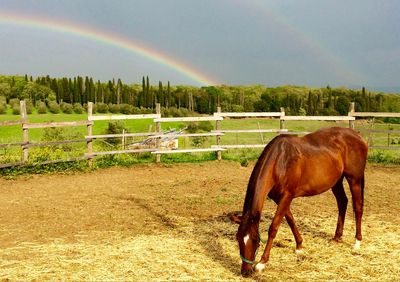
168 222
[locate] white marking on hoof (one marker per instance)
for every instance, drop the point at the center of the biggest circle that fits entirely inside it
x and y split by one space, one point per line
357 245
246 239
260 267
299 252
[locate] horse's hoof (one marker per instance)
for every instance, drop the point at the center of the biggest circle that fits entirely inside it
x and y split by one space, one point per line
259 267
357 245
336 239
300 255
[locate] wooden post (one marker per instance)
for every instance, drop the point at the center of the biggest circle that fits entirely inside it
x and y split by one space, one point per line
218 138
352 110
123 139
89 142
261 134
158 129
282 122
25 132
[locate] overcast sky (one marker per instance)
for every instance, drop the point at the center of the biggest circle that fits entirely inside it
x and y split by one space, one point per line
298 42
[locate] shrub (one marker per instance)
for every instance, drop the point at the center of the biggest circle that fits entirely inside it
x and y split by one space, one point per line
54 108
115 127
41 108
29 107
237 108
113 108
205 126
16 110
198 141
135 110
66 108
145 110
14 102
59 134
101 108
126 109
2 108
78 109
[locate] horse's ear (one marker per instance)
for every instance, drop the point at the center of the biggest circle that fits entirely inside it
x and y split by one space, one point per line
236 218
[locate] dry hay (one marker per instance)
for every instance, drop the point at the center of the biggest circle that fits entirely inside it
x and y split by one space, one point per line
169 223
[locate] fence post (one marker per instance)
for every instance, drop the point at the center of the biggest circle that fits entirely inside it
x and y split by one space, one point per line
25 131
282 121
89 141
218 138
158 129
123 139
352 110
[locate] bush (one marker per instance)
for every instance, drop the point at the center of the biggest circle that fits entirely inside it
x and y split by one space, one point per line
66 108
101 108
237 108
115 109
145 111
29 107
202 126
16 110
126 109
135 110
115 127
54 108
14 102
78 109
41 108
2 108
58 134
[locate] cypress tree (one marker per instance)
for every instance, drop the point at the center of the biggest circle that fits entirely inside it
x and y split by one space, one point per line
147 98
77 96
160 95
91 90
119 90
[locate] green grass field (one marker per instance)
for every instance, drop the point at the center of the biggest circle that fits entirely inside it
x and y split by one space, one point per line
13 134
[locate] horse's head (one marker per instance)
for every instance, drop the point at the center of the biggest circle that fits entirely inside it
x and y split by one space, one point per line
248 239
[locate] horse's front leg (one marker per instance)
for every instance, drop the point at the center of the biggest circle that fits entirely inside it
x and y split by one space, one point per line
282 209
299 240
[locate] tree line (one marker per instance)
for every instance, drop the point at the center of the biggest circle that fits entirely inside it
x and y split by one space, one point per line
297 100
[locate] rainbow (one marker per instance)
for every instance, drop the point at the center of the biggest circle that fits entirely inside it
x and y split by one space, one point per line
334 62
103 37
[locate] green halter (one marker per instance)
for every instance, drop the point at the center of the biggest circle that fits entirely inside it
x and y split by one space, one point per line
252 262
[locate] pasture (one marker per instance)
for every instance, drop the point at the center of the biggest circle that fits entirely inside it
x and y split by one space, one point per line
163 222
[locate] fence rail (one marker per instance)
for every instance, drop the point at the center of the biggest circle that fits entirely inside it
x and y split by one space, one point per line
372 114
157 136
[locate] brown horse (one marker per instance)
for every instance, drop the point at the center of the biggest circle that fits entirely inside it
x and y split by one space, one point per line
291 167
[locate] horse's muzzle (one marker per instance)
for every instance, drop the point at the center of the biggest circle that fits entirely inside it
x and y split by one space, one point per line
247 273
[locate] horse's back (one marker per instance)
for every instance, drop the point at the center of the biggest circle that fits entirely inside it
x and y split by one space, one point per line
347 142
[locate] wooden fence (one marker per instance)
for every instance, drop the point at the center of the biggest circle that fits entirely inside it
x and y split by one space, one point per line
158 134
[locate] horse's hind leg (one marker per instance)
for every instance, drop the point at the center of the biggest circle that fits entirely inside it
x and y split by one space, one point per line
295 231
357 192
341 199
